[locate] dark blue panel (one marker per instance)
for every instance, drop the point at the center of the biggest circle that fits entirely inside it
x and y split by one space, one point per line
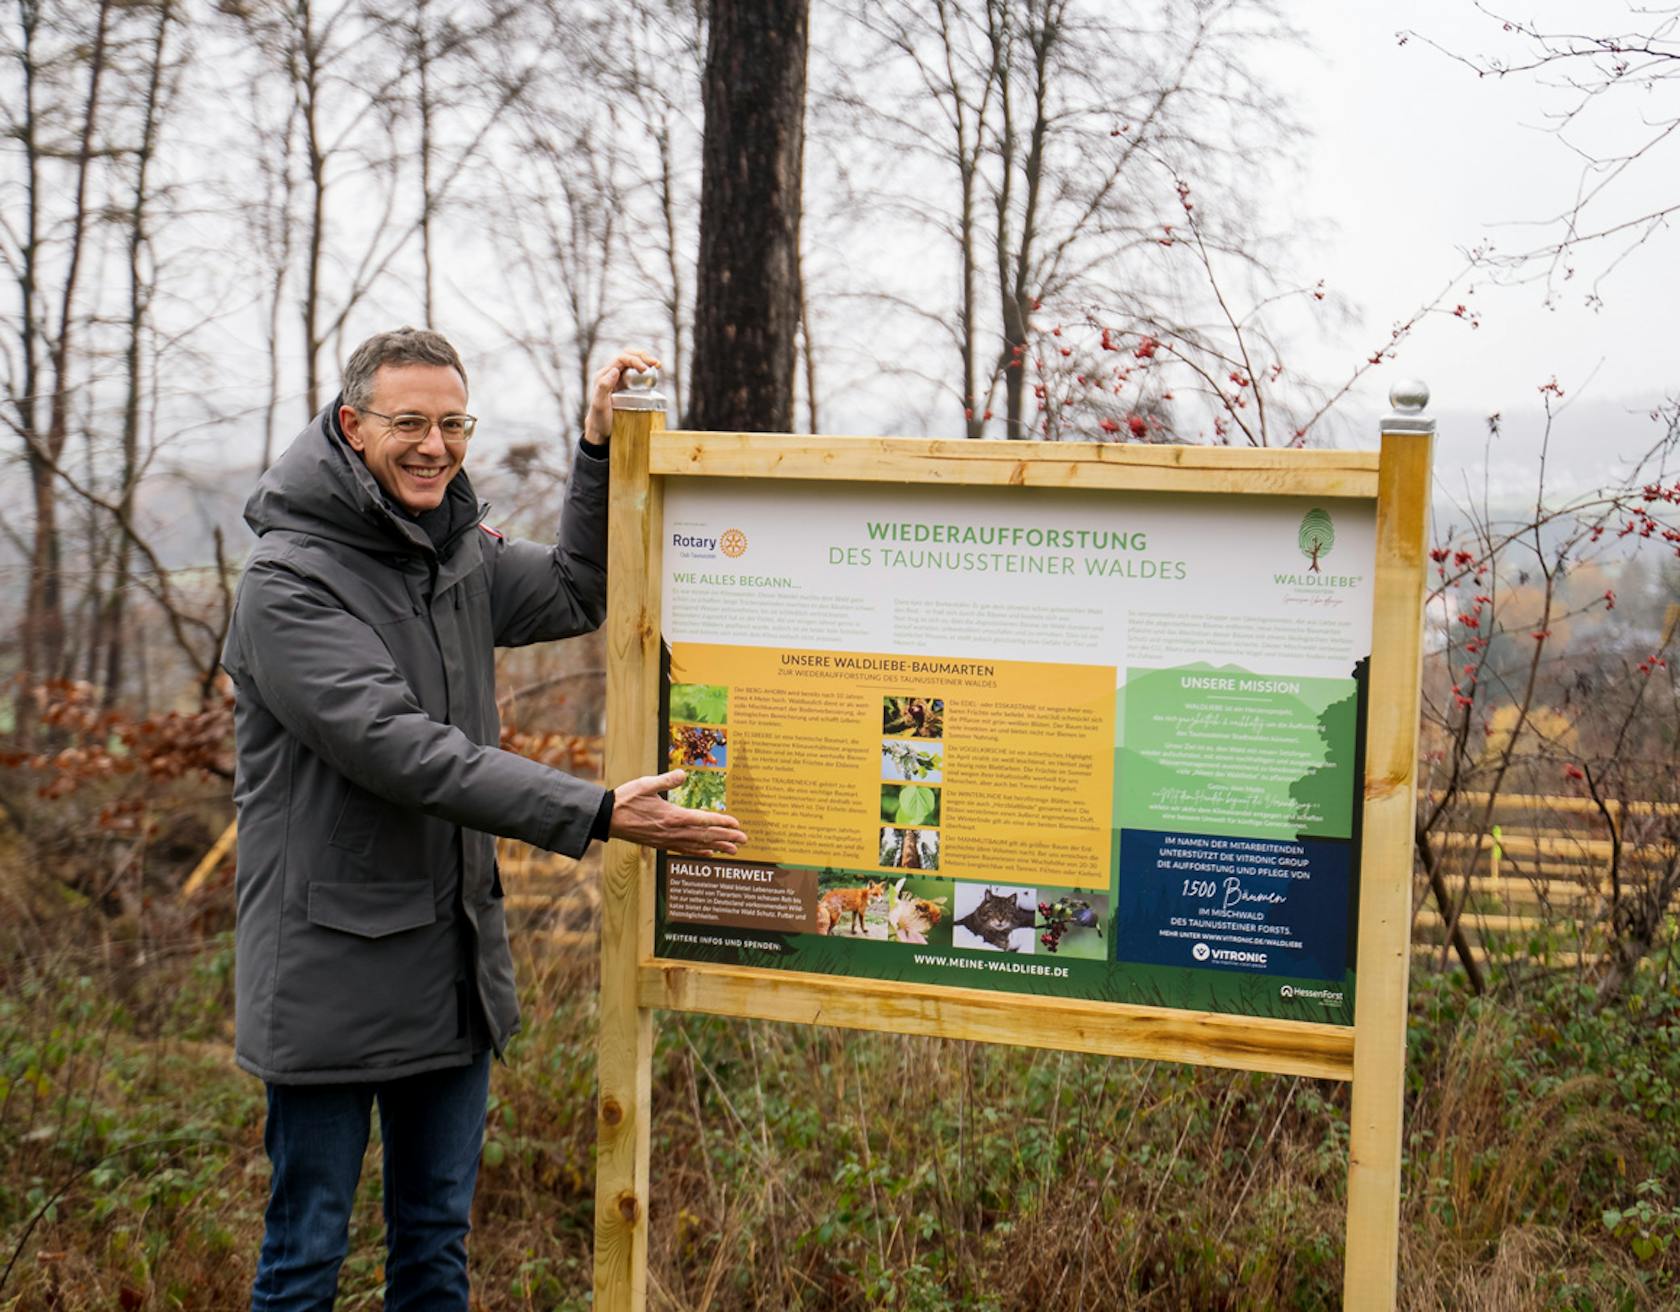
1257 906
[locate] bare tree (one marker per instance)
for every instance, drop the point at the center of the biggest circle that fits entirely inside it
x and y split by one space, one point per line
565 231
57 122
1055 130
110 631
1589 74
649 66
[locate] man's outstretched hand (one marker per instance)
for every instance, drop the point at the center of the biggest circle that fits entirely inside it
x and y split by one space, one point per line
597 424
641 815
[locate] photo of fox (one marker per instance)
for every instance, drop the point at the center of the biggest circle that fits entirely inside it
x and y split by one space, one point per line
841 904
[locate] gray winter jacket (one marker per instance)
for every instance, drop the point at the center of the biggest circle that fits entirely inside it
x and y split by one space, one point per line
370 927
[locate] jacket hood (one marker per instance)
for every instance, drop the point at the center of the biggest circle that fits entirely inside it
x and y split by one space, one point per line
321 486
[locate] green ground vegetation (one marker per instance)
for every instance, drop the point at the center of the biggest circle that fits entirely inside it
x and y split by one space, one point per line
815 1169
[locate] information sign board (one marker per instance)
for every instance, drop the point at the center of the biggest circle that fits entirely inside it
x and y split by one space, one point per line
1098 745
1103 748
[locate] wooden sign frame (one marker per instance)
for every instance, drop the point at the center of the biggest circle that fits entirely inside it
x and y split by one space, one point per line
635 984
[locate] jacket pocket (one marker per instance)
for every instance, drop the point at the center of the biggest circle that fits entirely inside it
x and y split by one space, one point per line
372 910
357 823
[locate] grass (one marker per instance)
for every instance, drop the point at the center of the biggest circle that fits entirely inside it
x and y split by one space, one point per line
813 1169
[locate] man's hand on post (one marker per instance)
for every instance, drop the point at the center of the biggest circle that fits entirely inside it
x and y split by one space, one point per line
597 424
641 815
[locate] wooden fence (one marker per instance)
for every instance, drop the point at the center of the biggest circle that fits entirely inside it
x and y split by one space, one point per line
1538 878
1532 872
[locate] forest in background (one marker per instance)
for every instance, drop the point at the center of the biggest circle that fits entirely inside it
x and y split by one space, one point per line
1025 218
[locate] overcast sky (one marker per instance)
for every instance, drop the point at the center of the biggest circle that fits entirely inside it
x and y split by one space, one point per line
1417 159
1413 160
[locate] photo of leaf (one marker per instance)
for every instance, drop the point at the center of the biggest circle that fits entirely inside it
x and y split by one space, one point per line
703 790
707 703
909 804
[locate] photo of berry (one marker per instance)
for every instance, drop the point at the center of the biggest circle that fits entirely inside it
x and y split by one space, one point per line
699 745
1072 924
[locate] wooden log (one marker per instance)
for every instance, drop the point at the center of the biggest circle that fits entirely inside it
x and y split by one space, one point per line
1072 1024
1113 466
1492 922
210 860
624 1049
1563 805
1558 847
1370 1278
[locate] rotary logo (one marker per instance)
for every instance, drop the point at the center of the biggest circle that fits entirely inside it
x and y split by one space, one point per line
733 543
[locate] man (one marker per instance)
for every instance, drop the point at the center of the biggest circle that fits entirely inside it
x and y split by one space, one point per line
372 961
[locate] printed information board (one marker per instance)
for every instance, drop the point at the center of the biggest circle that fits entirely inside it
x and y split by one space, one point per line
1095 745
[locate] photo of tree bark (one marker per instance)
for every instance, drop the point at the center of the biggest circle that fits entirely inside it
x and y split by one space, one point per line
986 220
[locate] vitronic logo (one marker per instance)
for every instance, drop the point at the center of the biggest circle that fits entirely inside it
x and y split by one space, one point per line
1228 956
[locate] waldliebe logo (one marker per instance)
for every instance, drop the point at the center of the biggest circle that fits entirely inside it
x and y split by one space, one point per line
1316 539
1317 536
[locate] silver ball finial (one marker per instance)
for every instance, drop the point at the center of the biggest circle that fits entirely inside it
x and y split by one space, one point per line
638 390
1409 396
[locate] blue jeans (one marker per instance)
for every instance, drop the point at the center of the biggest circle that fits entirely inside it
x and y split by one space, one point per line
432 1126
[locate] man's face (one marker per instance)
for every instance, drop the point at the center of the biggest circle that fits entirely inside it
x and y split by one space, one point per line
413 474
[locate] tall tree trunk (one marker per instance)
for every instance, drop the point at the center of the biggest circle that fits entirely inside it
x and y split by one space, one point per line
808 354
424 108
674 373
310 74
139 297
747 302
25 401
44 648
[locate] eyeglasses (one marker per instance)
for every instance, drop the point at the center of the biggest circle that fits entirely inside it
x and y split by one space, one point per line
415 429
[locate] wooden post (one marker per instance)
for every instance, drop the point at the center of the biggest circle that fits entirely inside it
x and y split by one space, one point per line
624 1047
213 858
1370 1277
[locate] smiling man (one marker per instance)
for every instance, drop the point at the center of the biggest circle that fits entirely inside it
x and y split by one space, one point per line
371 953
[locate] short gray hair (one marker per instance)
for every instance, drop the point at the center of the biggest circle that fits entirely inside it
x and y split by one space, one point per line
403 346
